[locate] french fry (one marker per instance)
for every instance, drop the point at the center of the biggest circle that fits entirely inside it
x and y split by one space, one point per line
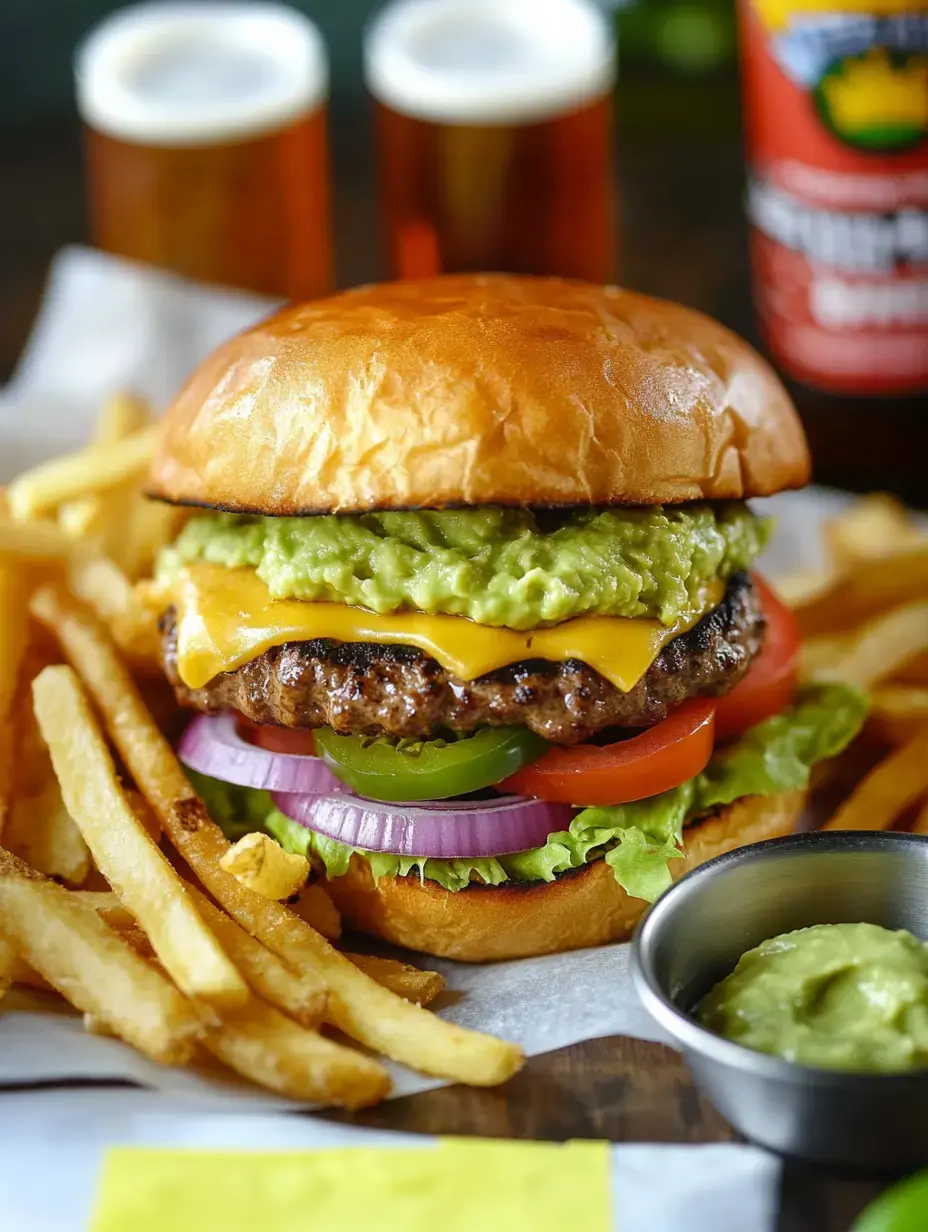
875 526
261 864
150 527
881 647
914 672
108 907
95 469
135 938
28 977
865 591
137 870
259 1043
800 588
898 781
14 636
407 982
898 712
87 516
302 995
102 584
357 1005
146 817
121 415
42 832
92 968
315 907
32 542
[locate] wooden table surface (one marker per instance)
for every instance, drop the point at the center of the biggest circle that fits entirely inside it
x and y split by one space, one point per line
689 245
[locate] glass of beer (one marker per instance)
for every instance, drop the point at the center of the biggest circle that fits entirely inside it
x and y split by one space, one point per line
206 150
494 122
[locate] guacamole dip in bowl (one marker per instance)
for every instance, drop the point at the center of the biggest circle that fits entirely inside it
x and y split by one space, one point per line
837 996
809 954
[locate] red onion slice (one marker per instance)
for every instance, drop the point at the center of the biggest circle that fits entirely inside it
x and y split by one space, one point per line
473 830
211 745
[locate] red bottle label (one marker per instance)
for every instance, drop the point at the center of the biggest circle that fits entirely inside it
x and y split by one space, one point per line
836 109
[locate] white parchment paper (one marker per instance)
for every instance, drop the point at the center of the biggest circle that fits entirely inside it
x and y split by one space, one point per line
52 1145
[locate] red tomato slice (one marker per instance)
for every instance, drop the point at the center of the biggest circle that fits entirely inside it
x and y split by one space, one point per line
660 758
770 683
298 740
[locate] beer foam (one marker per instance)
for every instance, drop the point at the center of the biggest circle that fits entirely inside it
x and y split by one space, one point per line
489 61
199 74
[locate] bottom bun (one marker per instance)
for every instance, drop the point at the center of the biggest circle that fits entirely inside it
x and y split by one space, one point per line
520 919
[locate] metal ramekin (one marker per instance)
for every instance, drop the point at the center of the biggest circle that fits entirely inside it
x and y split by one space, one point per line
695 934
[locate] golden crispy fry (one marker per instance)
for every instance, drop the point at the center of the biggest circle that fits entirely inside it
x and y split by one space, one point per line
98 973
150 526
881 647
42 832
315 907
108 907
259 1043
136 869
800 588
96 1026
875 526
357 1005
407 982
146 817
898 781
302 995
867 589
897 712
123 414
32 542
261 864
103 585
14 637
28 977
915 672
820 655
95 469
39 828
135 938
86 517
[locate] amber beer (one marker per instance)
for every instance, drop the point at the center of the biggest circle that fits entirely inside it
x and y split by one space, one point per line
206 144
494 128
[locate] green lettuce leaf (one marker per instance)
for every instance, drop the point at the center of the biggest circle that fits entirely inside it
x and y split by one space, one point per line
638 840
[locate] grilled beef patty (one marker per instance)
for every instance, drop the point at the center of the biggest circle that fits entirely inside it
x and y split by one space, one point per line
365 689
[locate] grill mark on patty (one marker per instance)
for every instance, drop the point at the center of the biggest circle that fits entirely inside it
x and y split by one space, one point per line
365 689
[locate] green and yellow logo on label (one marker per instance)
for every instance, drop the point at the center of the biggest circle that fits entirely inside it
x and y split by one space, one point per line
876 101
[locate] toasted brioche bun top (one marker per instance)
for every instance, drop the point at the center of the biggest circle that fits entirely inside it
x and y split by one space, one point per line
469 390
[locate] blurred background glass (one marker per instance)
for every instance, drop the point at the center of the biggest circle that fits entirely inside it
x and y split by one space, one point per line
494 136
205 144
679 187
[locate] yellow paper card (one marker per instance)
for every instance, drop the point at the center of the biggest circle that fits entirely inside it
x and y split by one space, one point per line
457 1186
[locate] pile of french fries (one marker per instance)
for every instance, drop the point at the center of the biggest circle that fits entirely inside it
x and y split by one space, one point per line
117 890
864 620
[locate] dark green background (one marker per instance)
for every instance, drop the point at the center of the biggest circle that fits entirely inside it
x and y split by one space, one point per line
38 37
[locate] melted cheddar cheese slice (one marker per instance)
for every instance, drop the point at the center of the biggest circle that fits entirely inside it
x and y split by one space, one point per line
226 618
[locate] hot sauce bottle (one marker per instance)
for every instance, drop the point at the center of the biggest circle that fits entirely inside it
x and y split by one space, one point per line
836 119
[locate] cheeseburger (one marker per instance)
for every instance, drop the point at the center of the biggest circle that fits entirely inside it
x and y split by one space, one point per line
466 604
